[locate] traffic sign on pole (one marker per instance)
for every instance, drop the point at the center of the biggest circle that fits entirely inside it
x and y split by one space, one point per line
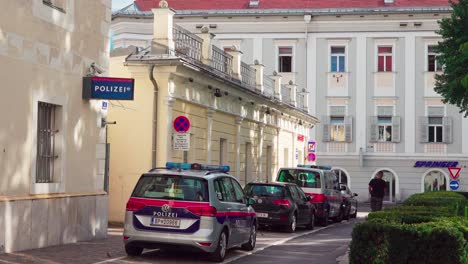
181 124
454 172
454 185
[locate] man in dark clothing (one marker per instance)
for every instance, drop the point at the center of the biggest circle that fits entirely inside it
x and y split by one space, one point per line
377 188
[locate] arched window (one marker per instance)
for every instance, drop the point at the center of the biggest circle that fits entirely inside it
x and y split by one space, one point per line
435 181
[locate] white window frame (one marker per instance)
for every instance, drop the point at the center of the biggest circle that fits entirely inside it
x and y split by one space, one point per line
426 57
331 127
435 125
58 186
285 43
339 43
384 43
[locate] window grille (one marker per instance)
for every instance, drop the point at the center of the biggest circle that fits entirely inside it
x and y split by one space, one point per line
46 131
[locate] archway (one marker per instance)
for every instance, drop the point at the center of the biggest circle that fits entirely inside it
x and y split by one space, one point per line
434 180
343 176
392 192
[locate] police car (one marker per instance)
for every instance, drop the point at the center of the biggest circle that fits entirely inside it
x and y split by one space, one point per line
189 206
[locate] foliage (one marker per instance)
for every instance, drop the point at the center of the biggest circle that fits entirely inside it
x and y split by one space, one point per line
452 84
427 228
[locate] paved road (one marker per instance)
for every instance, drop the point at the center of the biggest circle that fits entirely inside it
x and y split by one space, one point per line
322 245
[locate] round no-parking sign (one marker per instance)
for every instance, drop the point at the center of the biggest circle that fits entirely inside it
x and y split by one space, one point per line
181 124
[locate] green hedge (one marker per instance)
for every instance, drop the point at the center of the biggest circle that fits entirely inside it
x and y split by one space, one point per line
427 228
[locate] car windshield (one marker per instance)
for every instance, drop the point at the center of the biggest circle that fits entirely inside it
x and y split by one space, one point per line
172 187
262 190
303 178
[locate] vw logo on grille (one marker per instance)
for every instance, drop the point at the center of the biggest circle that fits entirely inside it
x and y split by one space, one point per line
166 208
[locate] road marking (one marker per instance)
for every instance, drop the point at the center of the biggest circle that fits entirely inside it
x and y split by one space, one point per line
119 258
245 254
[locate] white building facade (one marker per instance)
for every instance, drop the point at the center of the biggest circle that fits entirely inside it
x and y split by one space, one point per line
368 71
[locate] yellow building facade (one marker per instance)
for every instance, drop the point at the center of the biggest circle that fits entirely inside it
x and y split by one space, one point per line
239 116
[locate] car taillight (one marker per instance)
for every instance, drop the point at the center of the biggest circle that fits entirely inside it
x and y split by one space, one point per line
318 198
134 206
203 210
282 202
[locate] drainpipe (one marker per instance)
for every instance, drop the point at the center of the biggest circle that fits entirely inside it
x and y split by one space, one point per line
307 19
155 115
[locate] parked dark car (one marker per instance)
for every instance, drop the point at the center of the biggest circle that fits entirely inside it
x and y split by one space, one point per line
321 184
281 204
350 202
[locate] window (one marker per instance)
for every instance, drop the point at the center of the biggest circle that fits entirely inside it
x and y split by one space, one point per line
337 129
222 151
294 193
46 137
432 64
285 59
337 62
238 191
224 190
261 190
435 129
303 178
385 56
435 181
60 5
385 128
172 187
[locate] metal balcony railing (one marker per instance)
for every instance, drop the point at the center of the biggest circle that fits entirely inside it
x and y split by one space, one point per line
268 86
285 94
187 44
221 60
248 75
300 101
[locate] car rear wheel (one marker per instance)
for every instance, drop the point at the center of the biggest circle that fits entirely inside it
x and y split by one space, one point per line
323 221
249 246
292 224
311 224
133 250
220 252
339 217
347 214
355 213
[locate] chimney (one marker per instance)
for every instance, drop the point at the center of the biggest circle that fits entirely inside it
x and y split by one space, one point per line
162 28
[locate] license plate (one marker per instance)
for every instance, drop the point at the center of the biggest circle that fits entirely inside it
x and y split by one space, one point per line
262 215
165 222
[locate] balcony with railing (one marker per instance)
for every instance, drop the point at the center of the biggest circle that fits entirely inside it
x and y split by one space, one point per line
187 44
268 86
173 42
248 76
221 60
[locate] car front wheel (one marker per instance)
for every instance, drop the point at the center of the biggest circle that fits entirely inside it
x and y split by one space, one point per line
292 224
311 224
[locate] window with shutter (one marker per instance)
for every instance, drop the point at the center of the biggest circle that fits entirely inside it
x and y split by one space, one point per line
373 129
348 128
396 129
423 123
448 130
326 129
337 129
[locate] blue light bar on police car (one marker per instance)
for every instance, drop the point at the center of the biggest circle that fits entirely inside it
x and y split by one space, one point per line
315 167
196 166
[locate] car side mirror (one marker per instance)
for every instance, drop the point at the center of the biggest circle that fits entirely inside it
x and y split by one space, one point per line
308 198
250 201
355 194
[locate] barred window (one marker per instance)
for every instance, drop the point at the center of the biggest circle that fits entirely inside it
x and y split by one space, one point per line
60 5
46 131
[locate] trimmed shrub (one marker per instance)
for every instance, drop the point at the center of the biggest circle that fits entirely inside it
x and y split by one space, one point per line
378 241
427 228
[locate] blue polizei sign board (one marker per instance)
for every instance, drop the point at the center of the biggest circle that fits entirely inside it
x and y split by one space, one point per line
108 88
454 185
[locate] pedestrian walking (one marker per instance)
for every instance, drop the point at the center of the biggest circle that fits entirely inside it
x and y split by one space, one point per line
377 188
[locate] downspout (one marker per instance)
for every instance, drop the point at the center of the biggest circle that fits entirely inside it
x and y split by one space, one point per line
155 115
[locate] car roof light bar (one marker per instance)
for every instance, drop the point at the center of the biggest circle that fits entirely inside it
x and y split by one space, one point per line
315 167
197 166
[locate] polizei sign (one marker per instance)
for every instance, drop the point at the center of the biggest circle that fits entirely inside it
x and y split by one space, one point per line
108 88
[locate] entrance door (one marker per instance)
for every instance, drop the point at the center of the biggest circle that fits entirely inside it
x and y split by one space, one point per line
389 178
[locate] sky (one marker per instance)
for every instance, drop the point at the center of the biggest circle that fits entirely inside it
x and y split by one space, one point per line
118 4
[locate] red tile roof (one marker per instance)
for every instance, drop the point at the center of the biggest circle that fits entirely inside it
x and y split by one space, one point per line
146 5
